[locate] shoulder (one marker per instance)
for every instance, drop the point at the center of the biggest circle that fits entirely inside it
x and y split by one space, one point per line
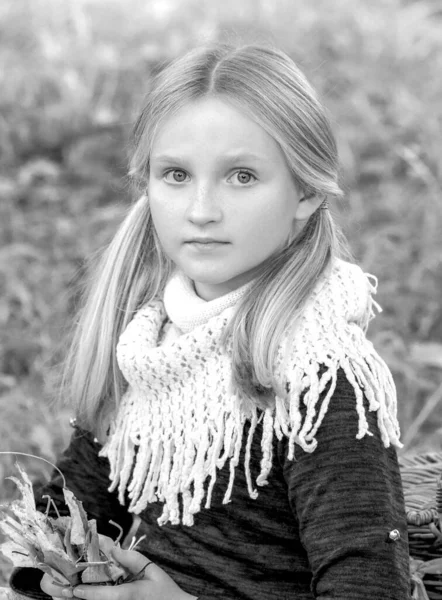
344 401
343 410
82 450
325 359
342 422
341 453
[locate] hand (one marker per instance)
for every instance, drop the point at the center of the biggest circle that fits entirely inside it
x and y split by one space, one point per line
155 585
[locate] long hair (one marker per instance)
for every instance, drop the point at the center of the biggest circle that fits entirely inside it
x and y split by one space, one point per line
270 88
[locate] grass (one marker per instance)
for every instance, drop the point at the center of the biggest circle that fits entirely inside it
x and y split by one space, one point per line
72 77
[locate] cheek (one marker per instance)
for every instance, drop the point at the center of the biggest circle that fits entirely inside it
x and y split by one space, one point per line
267 224
160 222
163 213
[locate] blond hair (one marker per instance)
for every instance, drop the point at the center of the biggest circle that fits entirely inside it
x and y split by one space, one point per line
134 269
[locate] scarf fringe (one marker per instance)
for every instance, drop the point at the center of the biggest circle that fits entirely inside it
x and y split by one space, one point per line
164 448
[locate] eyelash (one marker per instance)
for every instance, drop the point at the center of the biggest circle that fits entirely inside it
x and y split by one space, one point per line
246 171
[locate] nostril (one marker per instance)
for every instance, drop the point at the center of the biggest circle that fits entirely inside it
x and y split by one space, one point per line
204 211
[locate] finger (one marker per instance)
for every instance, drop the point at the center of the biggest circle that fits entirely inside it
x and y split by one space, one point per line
103 592
48 586
105 538
106 543
150 570
132 560
100 592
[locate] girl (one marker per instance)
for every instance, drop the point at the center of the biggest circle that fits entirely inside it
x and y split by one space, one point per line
224 389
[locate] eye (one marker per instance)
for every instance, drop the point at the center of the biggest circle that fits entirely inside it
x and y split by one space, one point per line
244 177
177 176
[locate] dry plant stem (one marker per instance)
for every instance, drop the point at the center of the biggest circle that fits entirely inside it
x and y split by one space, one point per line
95 563
134 543
54 506
430 405
120 529
38 458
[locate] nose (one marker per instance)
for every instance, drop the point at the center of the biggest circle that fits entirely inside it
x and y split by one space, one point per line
204 207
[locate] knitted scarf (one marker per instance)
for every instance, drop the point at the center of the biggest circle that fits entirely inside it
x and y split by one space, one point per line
180 420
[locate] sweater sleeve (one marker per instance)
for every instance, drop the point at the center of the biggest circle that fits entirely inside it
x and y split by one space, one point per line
347 497
87 476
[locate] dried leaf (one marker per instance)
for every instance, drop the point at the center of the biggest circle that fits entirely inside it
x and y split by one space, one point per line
28 516
415 565
432 566
26 490
98 573
56 557
16 554
419 592
68 546
56 539
95 574
60 562
56 576
79 518
61 524
11 530
25 509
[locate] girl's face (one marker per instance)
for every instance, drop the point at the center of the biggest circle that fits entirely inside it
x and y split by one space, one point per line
217 175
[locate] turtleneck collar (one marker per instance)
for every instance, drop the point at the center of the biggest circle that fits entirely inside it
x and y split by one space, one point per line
187 310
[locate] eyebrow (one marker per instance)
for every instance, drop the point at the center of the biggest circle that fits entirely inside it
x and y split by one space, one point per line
228 158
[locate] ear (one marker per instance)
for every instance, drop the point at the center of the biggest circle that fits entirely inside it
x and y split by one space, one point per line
307 205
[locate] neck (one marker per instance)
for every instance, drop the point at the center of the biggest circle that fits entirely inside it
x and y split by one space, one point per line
185 306
208 291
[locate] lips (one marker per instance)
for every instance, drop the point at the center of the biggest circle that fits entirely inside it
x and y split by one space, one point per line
205 246
205 241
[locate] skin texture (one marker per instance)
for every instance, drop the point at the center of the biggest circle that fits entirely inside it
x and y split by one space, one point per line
216 173
155 585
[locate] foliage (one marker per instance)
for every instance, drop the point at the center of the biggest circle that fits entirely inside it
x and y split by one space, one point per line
68 548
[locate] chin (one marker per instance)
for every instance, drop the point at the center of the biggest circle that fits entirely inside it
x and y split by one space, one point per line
208 279
209 276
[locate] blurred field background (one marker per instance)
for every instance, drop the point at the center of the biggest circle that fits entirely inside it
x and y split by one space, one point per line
72 77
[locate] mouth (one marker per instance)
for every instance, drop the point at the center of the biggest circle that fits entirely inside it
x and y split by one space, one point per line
206 244
205 241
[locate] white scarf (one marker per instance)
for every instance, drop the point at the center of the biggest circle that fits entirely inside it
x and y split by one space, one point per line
180 420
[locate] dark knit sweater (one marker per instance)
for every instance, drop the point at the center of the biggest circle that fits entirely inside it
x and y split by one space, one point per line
319 529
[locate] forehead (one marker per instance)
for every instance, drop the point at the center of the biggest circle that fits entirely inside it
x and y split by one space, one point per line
214 126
